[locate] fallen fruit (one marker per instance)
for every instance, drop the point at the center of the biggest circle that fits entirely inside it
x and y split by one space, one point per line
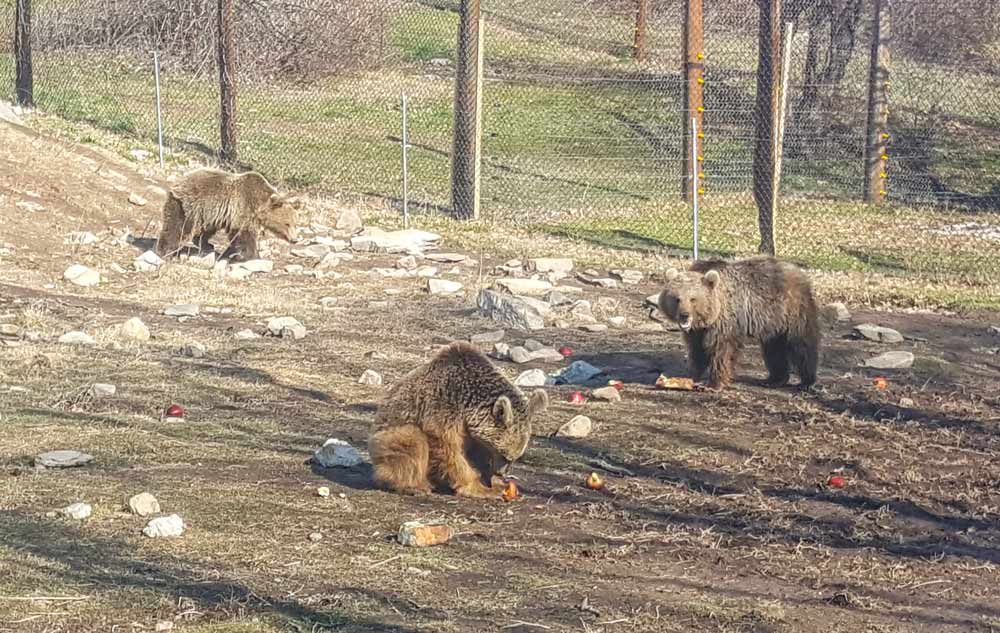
836 481
577 397
594 481
511 492
682 384
617 384
323 491
881 383
566 352
175 411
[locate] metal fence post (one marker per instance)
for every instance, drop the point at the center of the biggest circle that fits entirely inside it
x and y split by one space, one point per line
406 194
159 111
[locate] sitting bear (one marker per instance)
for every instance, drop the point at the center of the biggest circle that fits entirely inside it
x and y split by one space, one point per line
453 422
718 305
205 201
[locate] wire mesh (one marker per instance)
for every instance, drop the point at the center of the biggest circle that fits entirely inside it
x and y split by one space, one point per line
579 138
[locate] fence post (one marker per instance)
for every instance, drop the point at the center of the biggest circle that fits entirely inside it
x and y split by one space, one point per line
467 139
766 117
641 17
876 149
226 59
159 110
24 78
694 95
779 134
406 175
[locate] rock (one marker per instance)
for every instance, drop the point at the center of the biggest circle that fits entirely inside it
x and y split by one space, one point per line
9 329
285 327
80 238
370 377
617 321
330 260
328 302
524 287
246 335
313 251
135 330
407 263
408 241
425 271
532 345
836 312
446 258
501 351
520 355
547 355
164 625
994 330
220 269
349 221
577 428
323 491
294 269
557 298
486 338
392 273
594 327
877 333
137 200
193 350
550 264
103 390
63 459
531 378
182 310
890 360
77 338
140 154
147 262
78 511
80 275
606 394
907 403
164 527
242 270
315 537
337 453
442 286
144 504
514 312
424 533
628 277
578 373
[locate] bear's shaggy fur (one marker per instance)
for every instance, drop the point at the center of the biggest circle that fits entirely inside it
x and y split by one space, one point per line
718 305
451 423
205 201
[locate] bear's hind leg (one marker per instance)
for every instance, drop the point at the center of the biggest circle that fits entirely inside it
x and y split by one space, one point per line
401 456
776 352
805 355
242 246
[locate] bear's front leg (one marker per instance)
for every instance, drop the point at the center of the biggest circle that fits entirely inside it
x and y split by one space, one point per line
697 358
453 467
725 355
243 246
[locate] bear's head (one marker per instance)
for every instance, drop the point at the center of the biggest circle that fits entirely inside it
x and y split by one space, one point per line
690 299
512 418
281 217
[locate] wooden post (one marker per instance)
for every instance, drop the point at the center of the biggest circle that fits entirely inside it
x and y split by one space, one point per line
226 58
694 95
766 117
877 147
641 17
23 75
465 155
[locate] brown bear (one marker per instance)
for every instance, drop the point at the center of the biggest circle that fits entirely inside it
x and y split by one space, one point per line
718 305
205 201
452 423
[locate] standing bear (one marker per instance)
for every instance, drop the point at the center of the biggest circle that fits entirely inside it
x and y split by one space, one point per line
205 201
452 423
718 305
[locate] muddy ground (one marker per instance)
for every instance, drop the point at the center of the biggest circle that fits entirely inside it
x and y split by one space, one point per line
717 515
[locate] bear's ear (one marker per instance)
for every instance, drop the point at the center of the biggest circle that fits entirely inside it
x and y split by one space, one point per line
538 402
276 199
712 278
503 413
671 274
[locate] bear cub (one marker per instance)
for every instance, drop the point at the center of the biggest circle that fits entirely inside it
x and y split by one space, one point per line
718 305
206 201
452 423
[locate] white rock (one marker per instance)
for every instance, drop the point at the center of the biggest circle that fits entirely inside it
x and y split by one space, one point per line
606 394
837 312
77 338
890 360
63 459
425 271
313 251
140 154
577 428
594 327
330 260
78 511
547 355
550 264
144 504
442 286
485 338
182 310
242 270
286 327
193 350
524 287
294 269
520 355
164 527
349 221
137 200
628 277
246 335
501 351
103 390
617 321
877 333
446 258
531 378
80 275
407 263
80 238
520 313
337 453
370 377
135 330
147 262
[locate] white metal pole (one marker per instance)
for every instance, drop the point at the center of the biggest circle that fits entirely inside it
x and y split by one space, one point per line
694 183
406 193
786 59
159 112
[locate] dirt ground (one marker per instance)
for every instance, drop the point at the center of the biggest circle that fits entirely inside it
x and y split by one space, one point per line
717 515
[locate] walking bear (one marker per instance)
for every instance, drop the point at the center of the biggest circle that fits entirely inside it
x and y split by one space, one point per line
205 201
718 305
451 423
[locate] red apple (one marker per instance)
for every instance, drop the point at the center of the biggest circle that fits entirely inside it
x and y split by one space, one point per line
565 351
594 482
175 411
577 397
837 481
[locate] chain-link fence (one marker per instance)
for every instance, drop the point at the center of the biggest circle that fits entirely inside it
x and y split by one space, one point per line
582 134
